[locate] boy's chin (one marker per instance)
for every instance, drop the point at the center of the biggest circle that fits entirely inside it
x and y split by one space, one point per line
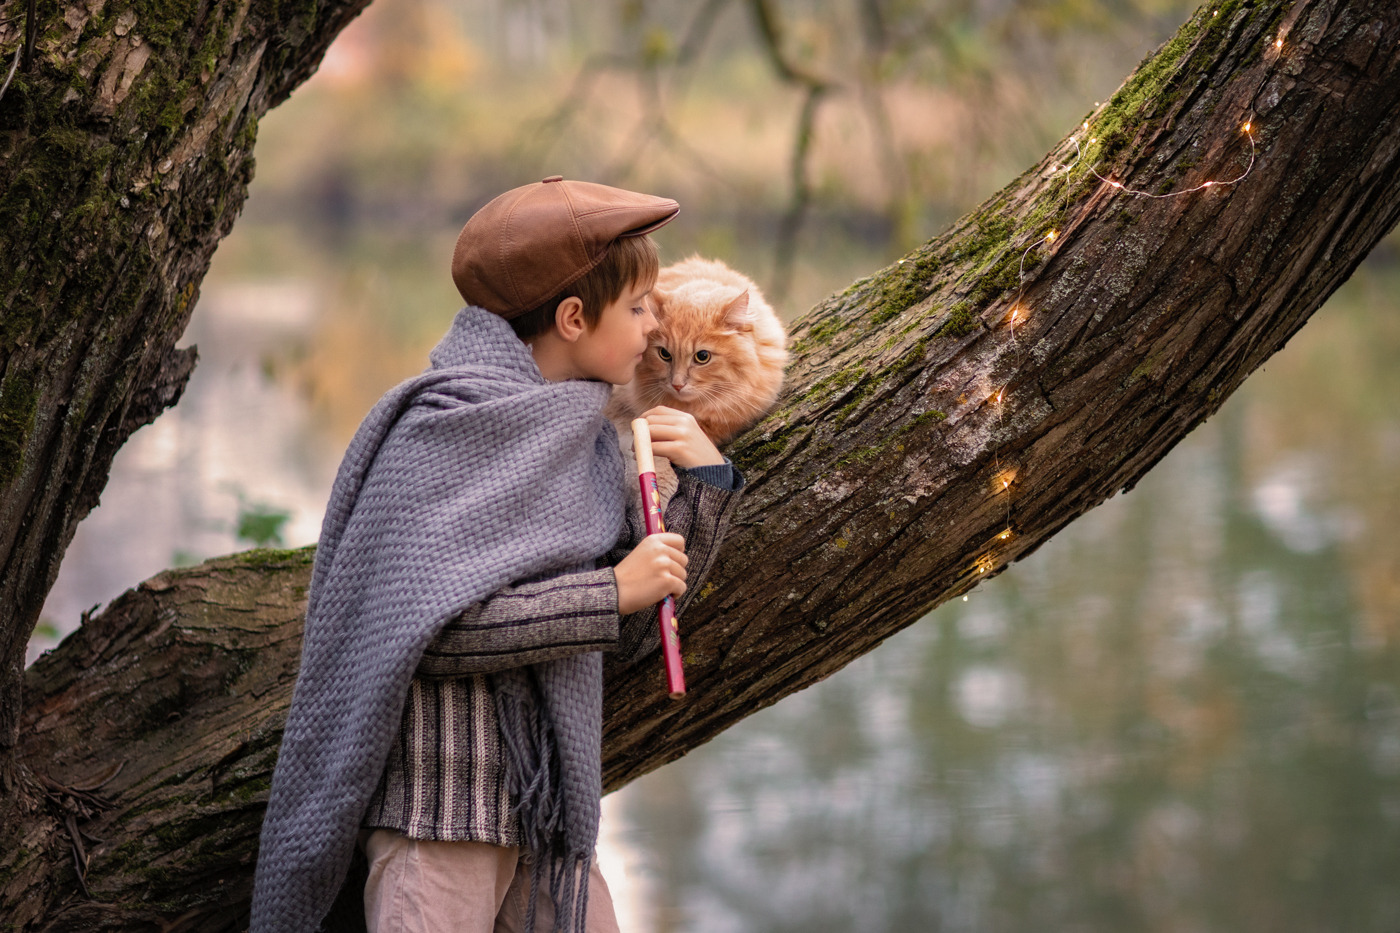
614 378
625 377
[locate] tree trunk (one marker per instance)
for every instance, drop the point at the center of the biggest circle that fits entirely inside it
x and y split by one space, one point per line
126 138
125 155
944 417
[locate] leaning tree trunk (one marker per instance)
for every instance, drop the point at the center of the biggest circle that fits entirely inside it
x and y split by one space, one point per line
126 142
944 417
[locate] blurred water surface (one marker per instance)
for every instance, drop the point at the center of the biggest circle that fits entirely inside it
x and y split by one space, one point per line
1180 715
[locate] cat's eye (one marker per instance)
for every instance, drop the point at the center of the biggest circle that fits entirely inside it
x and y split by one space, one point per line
664 353
702 356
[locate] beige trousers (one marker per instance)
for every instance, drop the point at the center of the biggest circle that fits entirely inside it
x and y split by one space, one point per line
417 886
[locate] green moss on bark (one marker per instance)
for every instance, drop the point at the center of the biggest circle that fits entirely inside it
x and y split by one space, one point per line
909 283
831 386
19 402
820 334
758 456
277 557
962 320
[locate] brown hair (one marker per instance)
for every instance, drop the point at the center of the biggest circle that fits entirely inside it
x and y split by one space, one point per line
629 260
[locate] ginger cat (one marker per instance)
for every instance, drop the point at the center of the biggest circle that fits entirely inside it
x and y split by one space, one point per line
718 353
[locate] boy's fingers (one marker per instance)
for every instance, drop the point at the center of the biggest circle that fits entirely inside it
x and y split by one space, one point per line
666 559
662 417
663 431
670 539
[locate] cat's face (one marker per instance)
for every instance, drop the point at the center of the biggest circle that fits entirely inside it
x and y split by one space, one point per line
699 350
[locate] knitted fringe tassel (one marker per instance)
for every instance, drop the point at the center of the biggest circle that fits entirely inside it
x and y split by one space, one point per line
568 889
539 806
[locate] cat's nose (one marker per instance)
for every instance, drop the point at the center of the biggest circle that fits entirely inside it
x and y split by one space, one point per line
678 386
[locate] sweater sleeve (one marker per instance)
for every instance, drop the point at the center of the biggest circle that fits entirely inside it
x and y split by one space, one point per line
529 623
699 512
722 475
526 624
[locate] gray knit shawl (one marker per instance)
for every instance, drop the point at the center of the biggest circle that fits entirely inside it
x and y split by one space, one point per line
475 474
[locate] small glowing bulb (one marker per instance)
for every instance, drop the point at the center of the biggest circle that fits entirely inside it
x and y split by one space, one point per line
981 569
999 396
964 599
1278 43
1115 184
1246 127
1050 237
1216 13
1086 124
1005 484
1094 140
1207 184
1005 535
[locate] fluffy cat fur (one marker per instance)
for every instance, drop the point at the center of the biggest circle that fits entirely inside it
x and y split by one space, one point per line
718 352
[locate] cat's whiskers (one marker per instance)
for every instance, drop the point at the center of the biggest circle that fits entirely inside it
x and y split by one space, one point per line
719 395
656 395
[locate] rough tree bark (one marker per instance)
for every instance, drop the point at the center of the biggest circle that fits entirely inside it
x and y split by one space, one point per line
944 417
126 139
125 154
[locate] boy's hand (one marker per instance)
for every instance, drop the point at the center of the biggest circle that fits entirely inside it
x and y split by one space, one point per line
654 570
676 436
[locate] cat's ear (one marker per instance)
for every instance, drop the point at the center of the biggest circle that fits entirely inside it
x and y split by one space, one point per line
657 300
737 314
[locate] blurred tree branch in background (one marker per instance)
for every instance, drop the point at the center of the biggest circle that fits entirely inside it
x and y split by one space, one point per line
867 51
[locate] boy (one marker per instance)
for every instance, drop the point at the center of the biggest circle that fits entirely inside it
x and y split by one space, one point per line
476 558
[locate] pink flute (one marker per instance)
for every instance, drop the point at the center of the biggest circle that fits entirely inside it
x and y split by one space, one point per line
651 509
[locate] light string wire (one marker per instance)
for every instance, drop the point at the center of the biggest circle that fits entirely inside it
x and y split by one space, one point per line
1247 129
1002 479
10 77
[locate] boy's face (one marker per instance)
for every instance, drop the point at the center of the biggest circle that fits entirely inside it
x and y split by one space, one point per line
612 350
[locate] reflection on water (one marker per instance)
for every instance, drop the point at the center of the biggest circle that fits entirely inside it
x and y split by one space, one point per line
1182 714
239 443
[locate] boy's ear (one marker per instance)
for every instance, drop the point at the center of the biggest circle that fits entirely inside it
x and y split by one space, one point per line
568 319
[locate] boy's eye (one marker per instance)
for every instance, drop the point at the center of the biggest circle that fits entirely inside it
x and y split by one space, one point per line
664 353
702 356
639 310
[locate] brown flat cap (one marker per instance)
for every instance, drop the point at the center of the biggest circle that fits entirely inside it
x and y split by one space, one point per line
531 243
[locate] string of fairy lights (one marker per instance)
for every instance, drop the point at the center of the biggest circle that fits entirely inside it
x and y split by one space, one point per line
1004 478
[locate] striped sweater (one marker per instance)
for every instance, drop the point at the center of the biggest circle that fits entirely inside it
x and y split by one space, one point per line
446 775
